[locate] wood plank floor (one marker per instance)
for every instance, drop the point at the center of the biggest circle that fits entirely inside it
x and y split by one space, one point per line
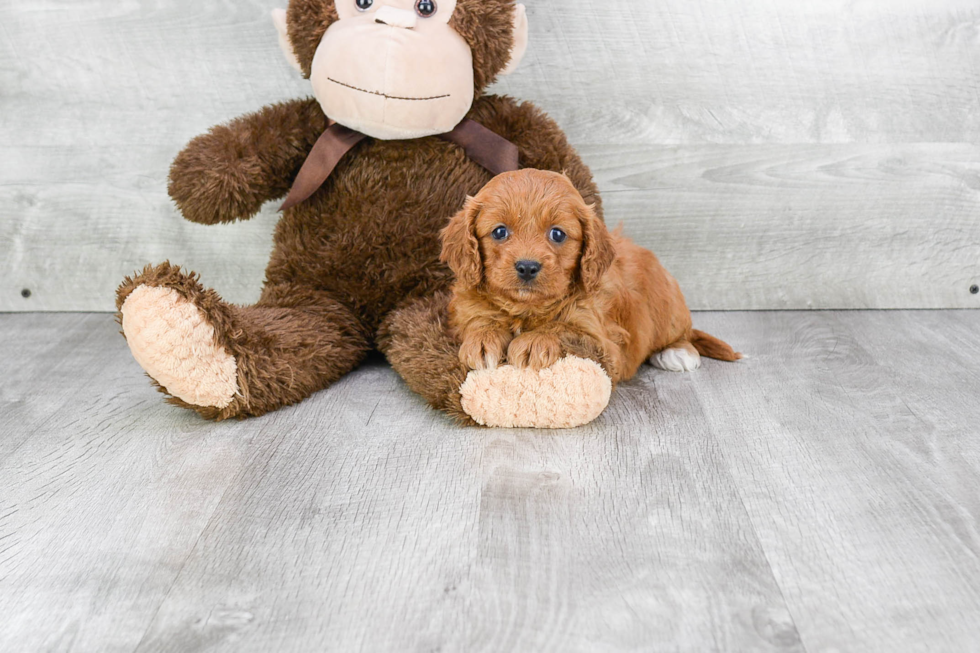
823 495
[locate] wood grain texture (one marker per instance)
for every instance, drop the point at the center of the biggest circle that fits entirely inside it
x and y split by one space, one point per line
362 520
756 71
763 148
856 458
803 226
820 495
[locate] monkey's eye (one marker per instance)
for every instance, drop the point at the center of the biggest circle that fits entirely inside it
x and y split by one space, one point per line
499 233
425 8
364 5
557 236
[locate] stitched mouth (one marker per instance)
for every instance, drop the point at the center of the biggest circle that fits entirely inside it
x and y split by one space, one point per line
388 97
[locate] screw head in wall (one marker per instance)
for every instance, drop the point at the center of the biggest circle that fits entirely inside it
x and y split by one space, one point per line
25 293
974 289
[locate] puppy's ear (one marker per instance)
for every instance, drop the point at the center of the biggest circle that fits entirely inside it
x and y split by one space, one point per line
460 248
597 249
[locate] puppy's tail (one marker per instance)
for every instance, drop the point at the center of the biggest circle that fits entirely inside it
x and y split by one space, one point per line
712 347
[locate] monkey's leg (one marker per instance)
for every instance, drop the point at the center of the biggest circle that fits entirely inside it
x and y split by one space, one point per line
231 361
419 345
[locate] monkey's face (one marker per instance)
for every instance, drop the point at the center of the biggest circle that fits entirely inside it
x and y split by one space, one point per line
394 69
399 69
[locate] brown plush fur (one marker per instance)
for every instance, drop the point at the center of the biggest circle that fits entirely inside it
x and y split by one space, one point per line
268 339
307 22
592 286
488 29
357 265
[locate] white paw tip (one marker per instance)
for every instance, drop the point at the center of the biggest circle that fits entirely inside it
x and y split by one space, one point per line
676 360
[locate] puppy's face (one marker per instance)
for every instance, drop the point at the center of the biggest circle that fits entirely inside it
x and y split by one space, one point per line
530 240
526 238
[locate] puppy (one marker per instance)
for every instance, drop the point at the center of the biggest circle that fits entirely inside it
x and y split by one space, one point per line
538 277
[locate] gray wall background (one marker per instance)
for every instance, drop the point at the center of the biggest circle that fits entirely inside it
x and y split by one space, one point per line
775 153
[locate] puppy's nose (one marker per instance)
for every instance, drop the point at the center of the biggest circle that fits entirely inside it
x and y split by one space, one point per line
527 270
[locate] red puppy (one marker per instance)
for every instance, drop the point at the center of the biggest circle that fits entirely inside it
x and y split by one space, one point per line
538 277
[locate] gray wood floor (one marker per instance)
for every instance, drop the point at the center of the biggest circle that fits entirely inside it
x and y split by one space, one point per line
822 495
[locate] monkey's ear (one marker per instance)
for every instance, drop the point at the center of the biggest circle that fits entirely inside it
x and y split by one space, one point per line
279 18
520 39
461 249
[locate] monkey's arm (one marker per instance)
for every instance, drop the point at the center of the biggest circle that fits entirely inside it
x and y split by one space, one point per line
541 141
228 173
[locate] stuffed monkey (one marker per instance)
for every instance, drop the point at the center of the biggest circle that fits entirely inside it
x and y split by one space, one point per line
398 134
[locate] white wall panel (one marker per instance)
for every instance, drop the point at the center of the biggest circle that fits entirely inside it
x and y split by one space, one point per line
775 153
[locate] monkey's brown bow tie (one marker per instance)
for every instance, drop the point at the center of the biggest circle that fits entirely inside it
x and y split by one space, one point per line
490 150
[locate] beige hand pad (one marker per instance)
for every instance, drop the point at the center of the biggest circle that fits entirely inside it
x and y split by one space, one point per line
175 345
570 393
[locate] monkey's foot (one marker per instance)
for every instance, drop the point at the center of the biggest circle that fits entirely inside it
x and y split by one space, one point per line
164 319
570 393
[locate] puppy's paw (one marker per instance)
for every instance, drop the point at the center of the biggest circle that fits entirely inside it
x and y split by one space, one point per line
677 359
483 350
534 350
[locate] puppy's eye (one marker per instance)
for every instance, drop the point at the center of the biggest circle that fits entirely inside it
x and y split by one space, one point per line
557 236
499 233
364 5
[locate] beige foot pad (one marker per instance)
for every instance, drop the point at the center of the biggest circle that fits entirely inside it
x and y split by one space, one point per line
570 393
175 345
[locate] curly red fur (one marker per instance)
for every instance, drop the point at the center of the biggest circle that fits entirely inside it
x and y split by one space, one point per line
596 291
